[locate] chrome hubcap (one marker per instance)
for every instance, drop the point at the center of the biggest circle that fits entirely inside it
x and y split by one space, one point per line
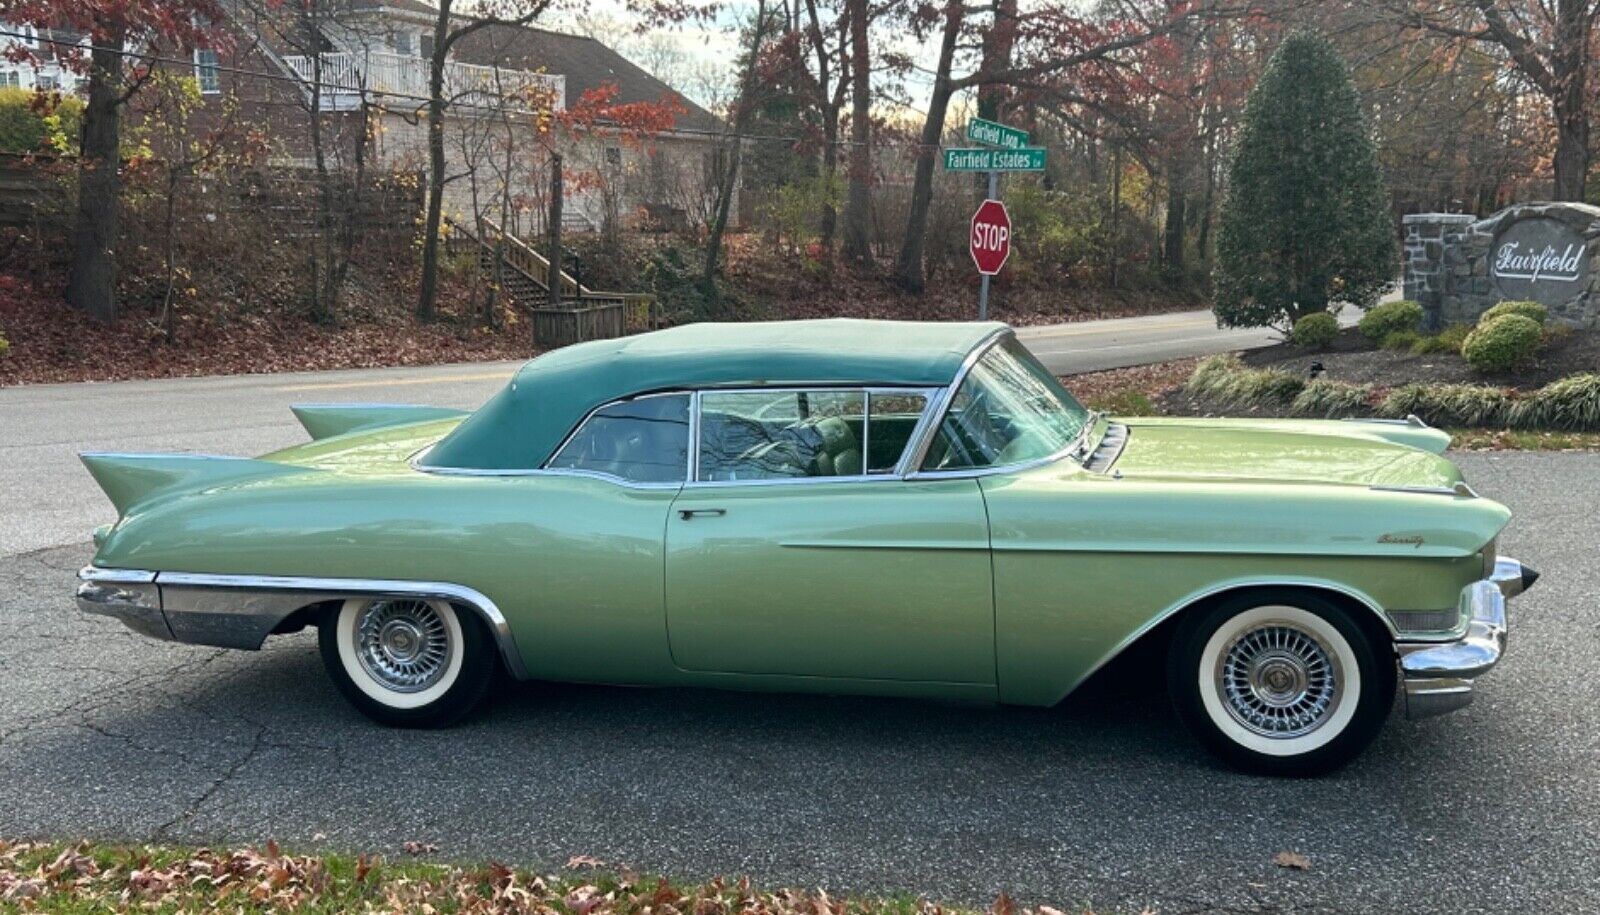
403 644
1279 681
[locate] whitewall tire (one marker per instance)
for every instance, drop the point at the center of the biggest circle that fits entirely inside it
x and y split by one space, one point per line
407 661
1280 682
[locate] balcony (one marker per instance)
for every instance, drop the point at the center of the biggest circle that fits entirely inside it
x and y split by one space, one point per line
345 76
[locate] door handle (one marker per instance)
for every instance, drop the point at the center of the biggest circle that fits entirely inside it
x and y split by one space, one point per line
687 513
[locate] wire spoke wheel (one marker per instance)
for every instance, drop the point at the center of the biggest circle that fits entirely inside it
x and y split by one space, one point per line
1279 681
403 644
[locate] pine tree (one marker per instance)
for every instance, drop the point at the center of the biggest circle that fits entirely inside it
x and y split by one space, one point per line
1306 221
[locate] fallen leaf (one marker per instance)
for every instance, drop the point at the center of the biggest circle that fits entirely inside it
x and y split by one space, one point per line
1292 860
577 861
414 847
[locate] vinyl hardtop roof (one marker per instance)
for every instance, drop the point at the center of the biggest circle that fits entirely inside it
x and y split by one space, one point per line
520 427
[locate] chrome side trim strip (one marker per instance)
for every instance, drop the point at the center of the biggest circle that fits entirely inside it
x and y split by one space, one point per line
260 602
1459 489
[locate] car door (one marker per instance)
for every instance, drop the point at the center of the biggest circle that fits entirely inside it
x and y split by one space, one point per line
799 550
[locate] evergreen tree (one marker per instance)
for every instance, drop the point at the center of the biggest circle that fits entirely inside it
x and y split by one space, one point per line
1306 221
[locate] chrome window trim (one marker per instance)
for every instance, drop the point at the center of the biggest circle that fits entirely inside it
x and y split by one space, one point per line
946 394
929 395
546 470
982 349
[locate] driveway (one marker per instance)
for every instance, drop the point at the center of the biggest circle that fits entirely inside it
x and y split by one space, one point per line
1100 802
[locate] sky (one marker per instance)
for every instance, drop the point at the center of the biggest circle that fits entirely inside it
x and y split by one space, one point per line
697 57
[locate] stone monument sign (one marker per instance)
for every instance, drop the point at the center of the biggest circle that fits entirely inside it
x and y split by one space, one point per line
1458 266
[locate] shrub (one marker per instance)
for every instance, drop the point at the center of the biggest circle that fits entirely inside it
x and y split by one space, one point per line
1391 317
1401 339
32 123
1531 310
1259 387
1225 380
1332 399
1573 404
1315 331
1502 344
1211 371
5 345
1449 404
1448 340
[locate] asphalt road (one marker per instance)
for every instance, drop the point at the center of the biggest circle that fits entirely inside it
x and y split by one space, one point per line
1100 802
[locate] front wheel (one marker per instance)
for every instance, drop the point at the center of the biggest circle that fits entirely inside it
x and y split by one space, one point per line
407 662
1281 684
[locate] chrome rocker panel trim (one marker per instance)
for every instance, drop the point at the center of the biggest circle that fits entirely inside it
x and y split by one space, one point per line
240 611
1438 678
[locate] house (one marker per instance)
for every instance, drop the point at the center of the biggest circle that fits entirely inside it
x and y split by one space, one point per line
378 52
38 65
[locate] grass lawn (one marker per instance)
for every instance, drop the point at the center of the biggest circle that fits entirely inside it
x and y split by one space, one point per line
87 877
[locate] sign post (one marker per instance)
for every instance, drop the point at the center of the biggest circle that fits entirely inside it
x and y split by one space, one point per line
989 243
1006 149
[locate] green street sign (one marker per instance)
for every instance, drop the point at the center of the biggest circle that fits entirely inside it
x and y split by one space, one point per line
990 133
1027 159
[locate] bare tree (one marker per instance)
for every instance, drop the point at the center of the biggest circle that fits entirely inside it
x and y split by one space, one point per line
450 26
732 140
1550 43
857 241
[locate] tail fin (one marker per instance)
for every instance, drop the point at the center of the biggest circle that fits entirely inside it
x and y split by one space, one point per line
130 479
322 420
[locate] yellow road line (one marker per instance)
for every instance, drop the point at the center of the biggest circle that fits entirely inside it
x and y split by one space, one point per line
436 379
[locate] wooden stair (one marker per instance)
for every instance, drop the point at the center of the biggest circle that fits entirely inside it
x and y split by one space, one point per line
586 314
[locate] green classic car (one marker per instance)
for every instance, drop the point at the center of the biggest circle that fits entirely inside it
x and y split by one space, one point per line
832 506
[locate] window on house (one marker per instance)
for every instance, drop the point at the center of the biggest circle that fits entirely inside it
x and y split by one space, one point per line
613 157
10 79
206 71
47 82
427 46
404 43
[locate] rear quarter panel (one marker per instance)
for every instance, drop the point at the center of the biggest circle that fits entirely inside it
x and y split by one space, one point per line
1084 563
574 563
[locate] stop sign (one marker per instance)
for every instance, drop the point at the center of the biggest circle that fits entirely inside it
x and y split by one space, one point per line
990 238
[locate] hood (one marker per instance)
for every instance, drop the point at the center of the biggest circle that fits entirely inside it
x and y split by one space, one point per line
1161 452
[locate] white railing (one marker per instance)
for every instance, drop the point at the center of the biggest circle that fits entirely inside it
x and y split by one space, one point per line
345 76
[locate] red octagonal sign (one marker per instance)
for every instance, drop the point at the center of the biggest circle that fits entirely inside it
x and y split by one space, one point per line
990 238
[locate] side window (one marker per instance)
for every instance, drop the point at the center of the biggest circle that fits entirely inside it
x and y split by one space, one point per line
891 419
763 435
1009 409
645 440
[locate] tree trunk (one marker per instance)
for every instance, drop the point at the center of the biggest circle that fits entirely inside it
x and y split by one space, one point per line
92 278
830 174
908 266
428 289
1177 205
719 223
322 247
1572 144
857 237
997 44
1116 216
552 273
1569 64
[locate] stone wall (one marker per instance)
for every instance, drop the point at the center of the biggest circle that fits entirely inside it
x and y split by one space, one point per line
1458 266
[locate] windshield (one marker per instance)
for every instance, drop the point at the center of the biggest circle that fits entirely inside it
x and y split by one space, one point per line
1009 409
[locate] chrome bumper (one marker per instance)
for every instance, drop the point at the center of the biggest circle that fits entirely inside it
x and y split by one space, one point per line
1438 677
240 611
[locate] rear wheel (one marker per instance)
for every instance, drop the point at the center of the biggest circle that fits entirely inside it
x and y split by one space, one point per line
1285 683
407 662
